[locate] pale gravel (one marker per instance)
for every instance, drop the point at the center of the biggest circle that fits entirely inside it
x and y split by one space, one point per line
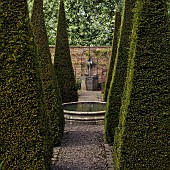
82 148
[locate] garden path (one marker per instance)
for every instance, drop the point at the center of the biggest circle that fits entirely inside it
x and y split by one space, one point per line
90 95
82 146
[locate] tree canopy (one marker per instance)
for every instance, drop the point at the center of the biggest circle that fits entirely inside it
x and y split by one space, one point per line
89 22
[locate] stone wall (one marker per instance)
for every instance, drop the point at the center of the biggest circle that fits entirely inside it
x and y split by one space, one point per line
80 55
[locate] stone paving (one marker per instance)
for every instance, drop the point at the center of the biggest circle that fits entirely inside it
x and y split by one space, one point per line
82 146
90 95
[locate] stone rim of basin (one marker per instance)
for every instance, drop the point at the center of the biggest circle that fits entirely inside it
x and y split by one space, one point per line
84 112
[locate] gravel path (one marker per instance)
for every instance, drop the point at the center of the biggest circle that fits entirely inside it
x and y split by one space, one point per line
90 95
82 148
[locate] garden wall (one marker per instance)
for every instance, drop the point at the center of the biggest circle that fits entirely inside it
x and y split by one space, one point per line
80 55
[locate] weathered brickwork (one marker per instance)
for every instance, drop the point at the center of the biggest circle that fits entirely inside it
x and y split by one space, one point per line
80 55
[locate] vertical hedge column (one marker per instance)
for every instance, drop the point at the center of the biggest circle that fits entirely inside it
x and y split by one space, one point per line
142 138
113 53
119 72
62 61
23 132
50 86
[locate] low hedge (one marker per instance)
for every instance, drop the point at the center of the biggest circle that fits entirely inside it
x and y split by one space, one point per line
142 137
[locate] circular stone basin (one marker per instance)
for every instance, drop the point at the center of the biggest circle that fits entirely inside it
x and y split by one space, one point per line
84 112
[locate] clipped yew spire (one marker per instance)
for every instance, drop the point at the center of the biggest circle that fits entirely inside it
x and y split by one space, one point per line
52 97
62 61
142 138
24 124
113 53
119 72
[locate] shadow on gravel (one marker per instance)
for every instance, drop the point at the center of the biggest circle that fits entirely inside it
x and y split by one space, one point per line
82 148
79 138
71 167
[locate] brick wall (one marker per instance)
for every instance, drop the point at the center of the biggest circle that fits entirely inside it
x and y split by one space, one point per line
80 55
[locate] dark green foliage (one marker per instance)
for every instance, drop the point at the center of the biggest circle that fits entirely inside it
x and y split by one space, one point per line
113 53
24 124
90 22
1 164
49 83
119 72
62 61
82 14
142 138
169 8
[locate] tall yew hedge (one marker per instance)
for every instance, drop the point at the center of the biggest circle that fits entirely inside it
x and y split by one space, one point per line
113 53
62 60
24 124
119 72
142 138
52 97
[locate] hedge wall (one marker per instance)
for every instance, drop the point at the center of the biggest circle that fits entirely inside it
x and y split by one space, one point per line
62 61
52 97
24 130
113 53
119 72
142 138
